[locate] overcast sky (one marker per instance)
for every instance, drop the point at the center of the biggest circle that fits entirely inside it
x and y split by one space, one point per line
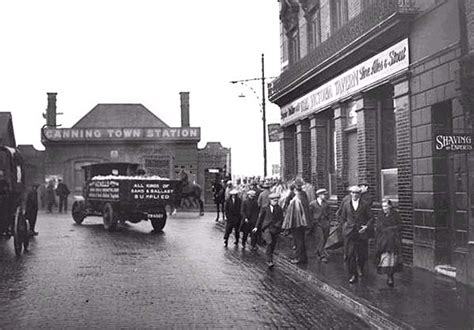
143 51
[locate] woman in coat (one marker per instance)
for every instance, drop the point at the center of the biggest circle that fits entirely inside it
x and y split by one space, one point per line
388 246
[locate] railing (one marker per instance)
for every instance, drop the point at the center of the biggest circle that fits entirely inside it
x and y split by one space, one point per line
377 12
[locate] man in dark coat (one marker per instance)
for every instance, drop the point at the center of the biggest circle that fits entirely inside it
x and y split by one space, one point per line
269 222
319 210
31 212
50 198
62 191
250 213
218 191
357 219
233 208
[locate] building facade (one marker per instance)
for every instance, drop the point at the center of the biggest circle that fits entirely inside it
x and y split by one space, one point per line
381 91
121 133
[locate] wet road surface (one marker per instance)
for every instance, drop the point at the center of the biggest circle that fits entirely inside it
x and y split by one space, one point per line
80 276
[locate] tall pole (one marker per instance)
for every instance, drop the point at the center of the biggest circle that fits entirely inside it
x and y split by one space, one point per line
264 119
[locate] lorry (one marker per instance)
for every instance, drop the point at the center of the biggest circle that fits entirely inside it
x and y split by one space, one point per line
117 192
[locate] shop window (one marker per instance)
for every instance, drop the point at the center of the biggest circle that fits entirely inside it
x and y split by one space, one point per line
388 150
314 28
339 13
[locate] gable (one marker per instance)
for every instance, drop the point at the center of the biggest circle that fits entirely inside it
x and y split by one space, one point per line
118 116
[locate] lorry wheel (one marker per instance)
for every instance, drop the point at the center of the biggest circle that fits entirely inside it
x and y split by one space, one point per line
18 231
110 217
78 212
159 224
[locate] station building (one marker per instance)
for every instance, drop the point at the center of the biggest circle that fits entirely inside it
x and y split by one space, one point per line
126 133
382 91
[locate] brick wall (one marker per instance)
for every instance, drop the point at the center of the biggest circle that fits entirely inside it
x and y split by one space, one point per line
319 151
367 145
287 153
303 150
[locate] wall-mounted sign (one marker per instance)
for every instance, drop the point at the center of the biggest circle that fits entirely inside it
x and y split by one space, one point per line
453 142
115 134
372 71
274 132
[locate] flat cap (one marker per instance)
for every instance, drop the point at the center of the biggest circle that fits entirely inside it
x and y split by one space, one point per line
354 189
274 196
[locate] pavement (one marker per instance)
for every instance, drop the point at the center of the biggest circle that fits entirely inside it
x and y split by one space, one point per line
83 277
420 299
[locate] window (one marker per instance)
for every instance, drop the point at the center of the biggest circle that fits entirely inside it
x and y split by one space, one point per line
294 46
314 28
332 160
339 13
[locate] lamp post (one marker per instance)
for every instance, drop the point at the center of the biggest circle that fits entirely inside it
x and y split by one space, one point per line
264 118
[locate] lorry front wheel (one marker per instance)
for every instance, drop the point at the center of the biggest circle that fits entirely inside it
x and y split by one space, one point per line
159 224
110 217
78 212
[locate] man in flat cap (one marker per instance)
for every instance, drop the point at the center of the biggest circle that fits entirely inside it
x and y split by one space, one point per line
364 192
357 218
233 207
269 222
319 210
250 212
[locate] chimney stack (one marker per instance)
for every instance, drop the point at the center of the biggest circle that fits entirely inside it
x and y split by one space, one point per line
51 110
184 109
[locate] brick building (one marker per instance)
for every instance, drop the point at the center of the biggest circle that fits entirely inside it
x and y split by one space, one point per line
375 90
123 133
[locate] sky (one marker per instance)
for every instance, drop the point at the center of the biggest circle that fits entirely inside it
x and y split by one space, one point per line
144 51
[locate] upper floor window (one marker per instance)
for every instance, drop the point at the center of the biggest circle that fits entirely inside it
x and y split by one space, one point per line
294 46
314 28
339 13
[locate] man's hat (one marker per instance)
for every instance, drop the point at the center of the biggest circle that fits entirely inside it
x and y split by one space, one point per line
229 182
363 183
321 191
234 192
355 189
251 193
266 184
274 196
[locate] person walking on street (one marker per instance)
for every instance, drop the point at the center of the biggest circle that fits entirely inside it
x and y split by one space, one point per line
357 220
250 213
31 209
218 191
233 208
388 242
63 192
319 210
270 222
50 197
364 193
296 220
264 197
228 189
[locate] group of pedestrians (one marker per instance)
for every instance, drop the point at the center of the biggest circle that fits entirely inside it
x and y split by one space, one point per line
264 210
50 191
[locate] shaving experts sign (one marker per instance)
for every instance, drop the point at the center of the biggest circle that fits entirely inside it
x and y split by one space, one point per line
372 71
114 134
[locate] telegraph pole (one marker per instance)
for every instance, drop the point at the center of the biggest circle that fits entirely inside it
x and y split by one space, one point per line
264 117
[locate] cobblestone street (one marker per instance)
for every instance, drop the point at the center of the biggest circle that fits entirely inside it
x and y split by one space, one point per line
80 276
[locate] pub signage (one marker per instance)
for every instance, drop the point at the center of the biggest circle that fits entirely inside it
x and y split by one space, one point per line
380 67
114 134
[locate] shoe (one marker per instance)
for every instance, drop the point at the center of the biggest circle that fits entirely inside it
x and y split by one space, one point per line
390 282
298 262
353 279
270 264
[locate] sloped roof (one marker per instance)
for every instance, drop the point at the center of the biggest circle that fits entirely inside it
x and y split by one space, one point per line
119 115
7 135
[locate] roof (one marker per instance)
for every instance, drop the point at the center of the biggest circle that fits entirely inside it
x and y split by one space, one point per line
118 115
7 135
